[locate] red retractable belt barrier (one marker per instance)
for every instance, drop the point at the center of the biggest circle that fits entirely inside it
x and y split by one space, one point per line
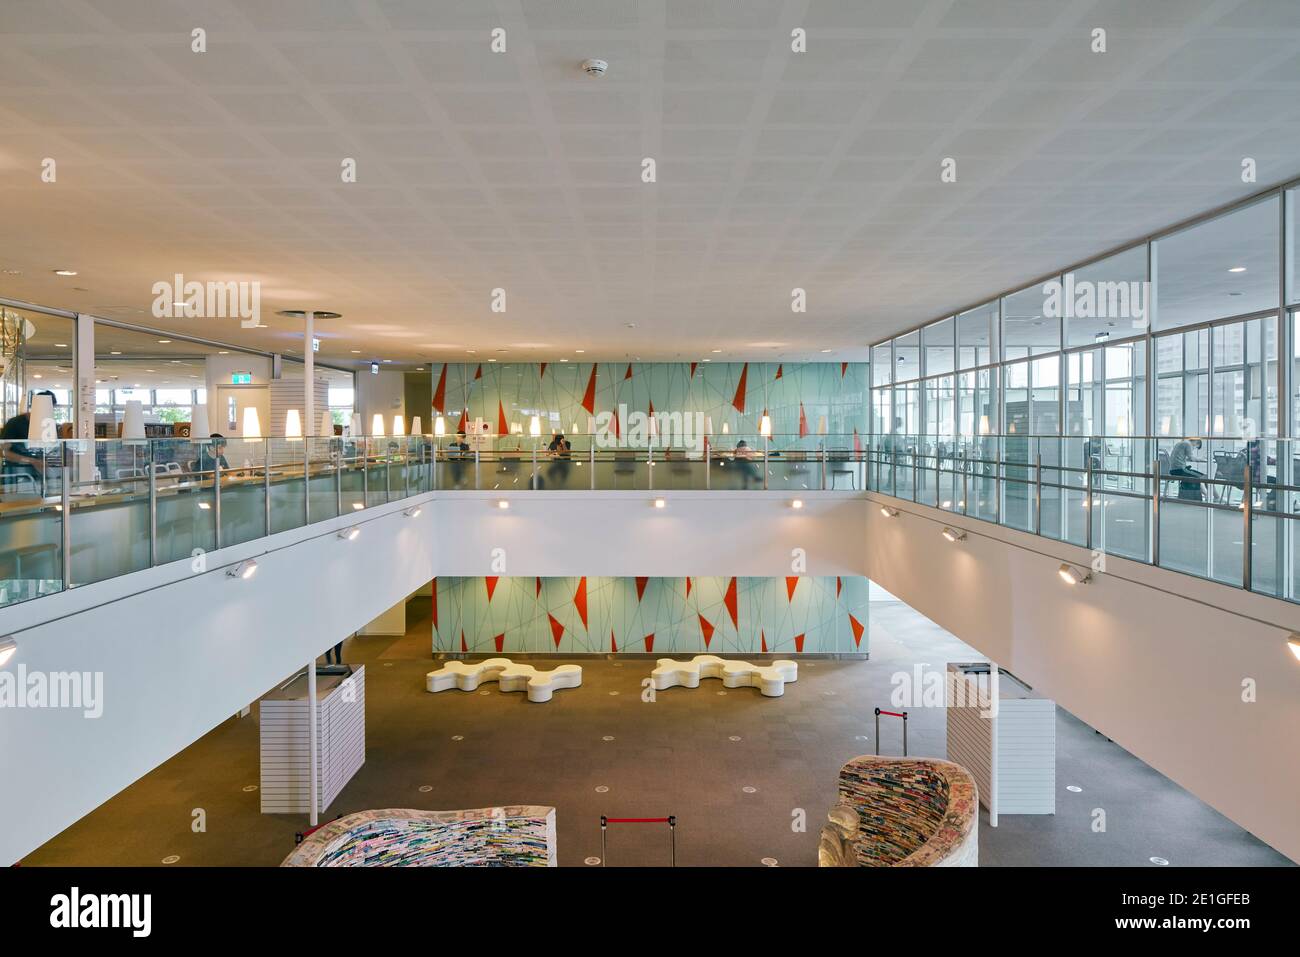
892 714
670 820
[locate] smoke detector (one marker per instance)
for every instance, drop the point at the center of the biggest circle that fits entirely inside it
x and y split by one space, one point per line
594 67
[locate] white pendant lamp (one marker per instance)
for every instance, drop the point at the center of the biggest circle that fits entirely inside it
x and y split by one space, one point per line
326 423
377 425
984 425
399 424
765 426
252 424
132 419
292 425
726 428
417 427
439 427
708 425
199 428
535 426
40 422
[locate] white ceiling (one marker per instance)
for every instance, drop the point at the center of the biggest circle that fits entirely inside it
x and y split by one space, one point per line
479 170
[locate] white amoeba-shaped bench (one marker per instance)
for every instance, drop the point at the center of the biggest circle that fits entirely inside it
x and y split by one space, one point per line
769 679
467 676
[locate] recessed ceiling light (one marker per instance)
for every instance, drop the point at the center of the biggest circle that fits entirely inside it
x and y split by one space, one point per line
356 352
37 375
706 360
1237 269
60 345
65 272
115 353
579 351
223 352
494 360
826 350
164 342
716 351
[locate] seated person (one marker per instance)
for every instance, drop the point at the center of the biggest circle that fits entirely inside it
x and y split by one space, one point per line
1180 458
561 451
457 452
211 455
16 458
744 458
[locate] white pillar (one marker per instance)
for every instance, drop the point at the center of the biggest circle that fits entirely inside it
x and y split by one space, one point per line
309 373
313 761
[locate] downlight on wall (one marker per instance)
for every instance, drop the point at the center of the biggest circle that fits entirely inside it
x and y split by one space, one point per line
8 647
888 512
660 503
503 504
953 535
244 570
1073 576
1293 643
350 533
414 511
796 503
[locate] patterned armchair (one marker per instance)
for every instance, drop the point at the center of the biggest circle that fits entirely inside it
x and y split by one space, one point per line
902 812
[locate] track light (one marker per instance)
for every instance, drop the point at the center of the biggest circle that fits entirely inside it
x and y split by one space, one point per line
7 649
414 511
888 512
245 569
1073 576
350 533
1293 643
953 535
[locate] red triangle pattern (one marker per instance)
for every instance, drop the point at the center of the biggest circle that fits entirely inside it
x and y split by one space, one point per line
580 601
463 421
798 643
463 647
640 587
440 393
738 402
500 641
541 372
650 643
762 636
730 601
688 588
628 374
857 630
538 592
839 586
791 583
503 427
693 365
557 630
613 646
803 421
491 582
844 366
706 629
589 397
478 372
779 369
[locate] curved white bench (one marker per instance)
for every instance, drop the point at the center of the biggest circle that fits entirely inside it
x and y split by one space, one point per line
539 685
769 679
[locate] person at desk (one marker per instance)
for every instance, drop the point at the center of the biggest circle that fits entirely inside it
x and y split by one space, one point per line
744 457
561 451
211 455
17 457
1180 458
457 452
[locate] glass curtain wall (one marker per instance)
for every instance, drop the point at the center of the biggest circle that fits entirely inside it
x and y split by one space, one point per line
1159 360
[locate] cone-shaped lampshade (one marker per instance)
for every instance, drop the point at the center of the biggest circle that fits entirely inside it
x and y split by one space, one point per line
292 425
765 426
199 428
535 426
132 420
399 425
40 424
439 427
417 427
252 424
377 424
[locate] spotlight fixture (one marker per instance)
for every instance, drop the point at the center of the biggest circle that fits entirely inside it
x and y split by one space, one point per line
7 649
888 512
797 503
350 533
1293 643
503 503
954 535
245 569
1073 576
414 511
358 506
660 503
65 272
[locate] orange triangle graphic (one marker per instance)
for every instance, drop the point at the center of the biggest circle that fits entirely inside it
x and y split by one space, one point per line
440 393
791 583
650 642
798 643
589 397
706 629
803 421
857 630
762 636
491 582
738 403
640 588
557 630
500 641
580 600
503 427
730 601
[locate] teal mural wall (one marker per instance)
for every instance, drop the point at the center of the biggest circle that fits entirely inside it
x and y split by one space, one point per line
591 615
802 398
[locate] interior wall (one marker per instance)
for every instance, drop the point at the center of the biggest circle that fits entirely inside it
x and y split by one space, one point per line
1159 672
179 652
699 615
382 393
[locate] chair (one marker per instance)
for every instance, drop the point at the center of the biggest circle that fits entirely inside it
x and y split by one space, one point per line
838 464
1229 467
1162 458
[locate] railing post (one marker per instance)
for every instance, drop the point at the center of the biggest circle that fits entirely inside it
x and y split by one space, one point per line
1038 492
153 516
532 482
766 440
708 466
965 484
65 526
266 485
1247 532
1155 510
478 483
388 477
216 497
1088 503
591 448
650 467
822 456
306 481
337 452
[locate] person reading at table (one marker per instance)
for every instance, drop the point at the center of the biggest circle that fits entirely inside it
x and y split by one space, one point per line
744 456
212 455
1180 458
18 459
